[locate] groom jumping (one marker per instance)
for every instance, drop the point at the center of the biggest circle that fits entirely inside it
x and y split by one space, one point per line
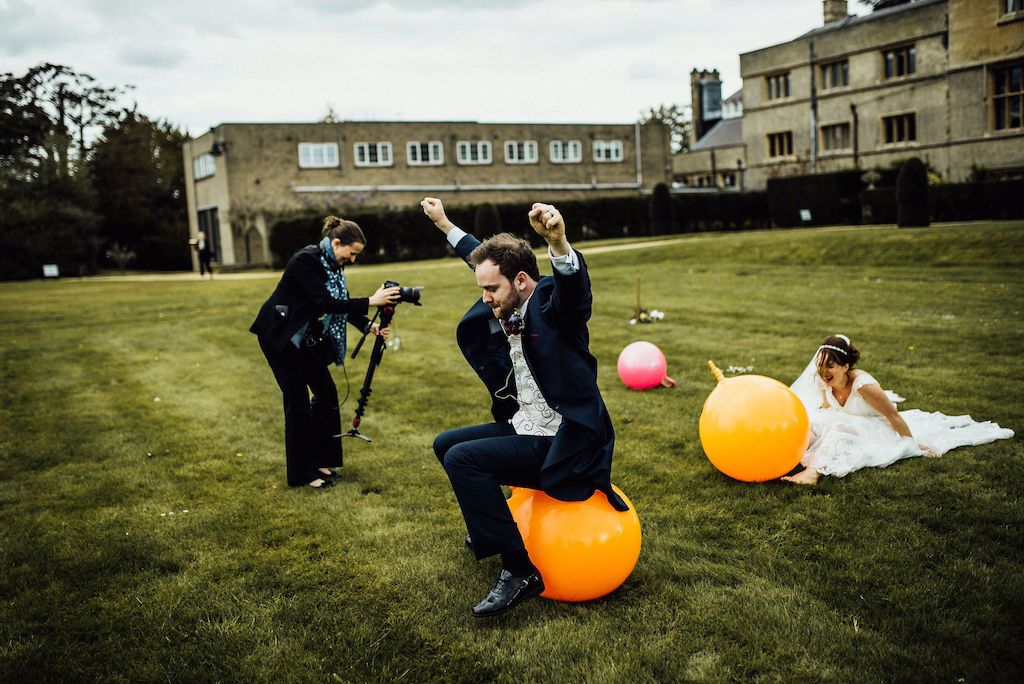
527 339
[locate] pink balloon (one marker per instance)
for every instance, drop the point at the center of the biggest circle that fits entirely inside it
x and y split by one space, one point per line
642 365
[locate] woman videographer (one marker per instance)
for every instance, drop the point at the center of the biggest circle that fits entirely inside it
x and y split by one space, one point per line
299 346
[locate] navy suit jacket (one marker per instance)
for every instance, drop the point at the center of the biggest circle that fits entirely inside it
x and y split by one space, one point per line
556 347
300 297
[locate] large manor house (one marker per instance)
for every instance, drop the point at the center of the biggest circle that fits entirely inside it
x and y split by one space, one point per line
935 79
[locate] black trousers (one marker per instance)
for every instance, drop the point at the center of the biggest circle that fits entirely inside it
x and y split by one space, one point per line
309 425
204 264
478 460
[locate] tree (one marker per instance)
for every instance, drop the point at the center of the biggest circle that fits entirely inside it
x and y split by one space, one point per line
47 221
137 170
71 107
24 126
331 116
678 121
50 119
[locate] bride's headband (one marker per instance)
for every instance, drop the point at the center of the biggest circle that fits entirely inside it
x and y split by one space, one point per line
842 351
832 346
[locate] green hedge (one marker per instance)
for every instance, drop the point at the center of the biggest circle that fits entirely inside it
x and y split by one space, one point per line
832 198
406 235
988 200
878 205
696 212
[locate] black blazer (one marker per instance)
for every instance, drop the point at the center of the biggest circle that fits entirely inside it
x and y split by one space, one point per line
300 297
556 347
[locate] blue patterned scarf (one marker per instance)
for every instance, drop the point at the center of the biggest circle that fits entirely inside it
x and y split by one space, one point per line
334 324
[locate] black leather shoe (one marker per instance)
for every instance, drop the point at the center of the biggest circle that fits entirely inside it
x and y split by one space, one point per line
469 543
507 593
326 484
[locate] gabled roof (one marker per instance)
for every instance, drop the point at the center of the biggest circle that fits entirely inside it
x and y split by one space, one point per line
854 19
725 133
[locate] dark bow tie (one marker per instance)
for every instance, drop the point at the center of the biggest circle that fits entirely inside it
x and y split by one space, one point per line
514 324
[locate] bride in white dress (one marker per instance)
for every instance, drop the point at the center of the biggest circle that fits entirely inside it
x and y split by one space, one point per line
855 424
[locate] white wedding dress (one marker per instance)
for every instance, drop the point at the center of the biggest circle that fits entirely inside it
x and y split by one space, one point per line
849 437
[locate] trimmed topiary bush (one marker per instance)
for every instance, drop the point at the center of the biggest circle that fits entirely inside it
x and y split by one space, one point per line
661 210
912 194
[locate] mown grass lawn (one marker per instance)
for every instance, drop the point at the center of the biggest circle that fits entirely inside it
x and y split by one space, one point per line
146 532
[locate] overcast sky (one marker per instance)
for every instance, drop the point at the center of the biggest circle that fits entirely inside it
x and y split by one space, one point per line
198 63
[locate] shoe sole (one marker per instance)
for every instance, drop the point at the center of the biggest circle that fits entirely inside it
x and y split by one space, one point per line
531 595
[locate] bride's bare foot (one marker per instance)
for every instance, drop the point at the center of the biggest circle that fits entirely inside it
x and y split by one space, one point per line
807 476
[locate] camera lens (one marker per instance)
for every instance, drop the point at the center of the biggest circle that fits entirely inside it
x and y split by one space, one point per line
410 294
405 294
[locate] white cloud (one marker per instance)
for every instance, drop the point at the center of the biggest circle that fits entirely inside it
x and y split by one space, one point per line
151 56
198 63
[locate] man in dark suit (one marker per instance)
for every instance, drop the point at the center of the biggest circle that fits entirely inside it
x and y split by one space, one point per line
527 339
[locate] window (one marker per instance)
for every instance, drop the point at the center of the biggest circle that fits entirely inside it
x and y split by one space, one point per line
901 61
424 153
566 151
373 154
608 150
778 86
899 128
474 151
780 144
835 74
520 151
835 137
203 166
318 155
1012 6
1007 96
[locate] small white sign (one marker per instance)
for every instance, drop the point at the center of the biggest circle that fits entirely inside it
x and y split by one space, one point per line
51 271
805 215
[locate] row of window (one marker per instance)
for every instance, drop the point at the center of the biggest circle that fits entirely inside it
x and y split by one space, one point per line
726 179
898 128
1007 90
896 63
467 153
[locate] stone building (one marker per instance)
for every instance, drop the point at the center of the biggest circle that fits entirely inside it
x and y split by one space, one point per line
717 158
935 79
240 176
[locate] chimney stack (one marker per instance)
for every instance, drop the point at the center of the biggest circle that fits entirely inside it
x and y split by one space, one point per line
834 10
705 102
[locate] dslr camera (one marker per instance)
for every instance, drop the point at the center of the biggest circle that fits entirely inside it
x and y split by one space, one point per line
406 294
